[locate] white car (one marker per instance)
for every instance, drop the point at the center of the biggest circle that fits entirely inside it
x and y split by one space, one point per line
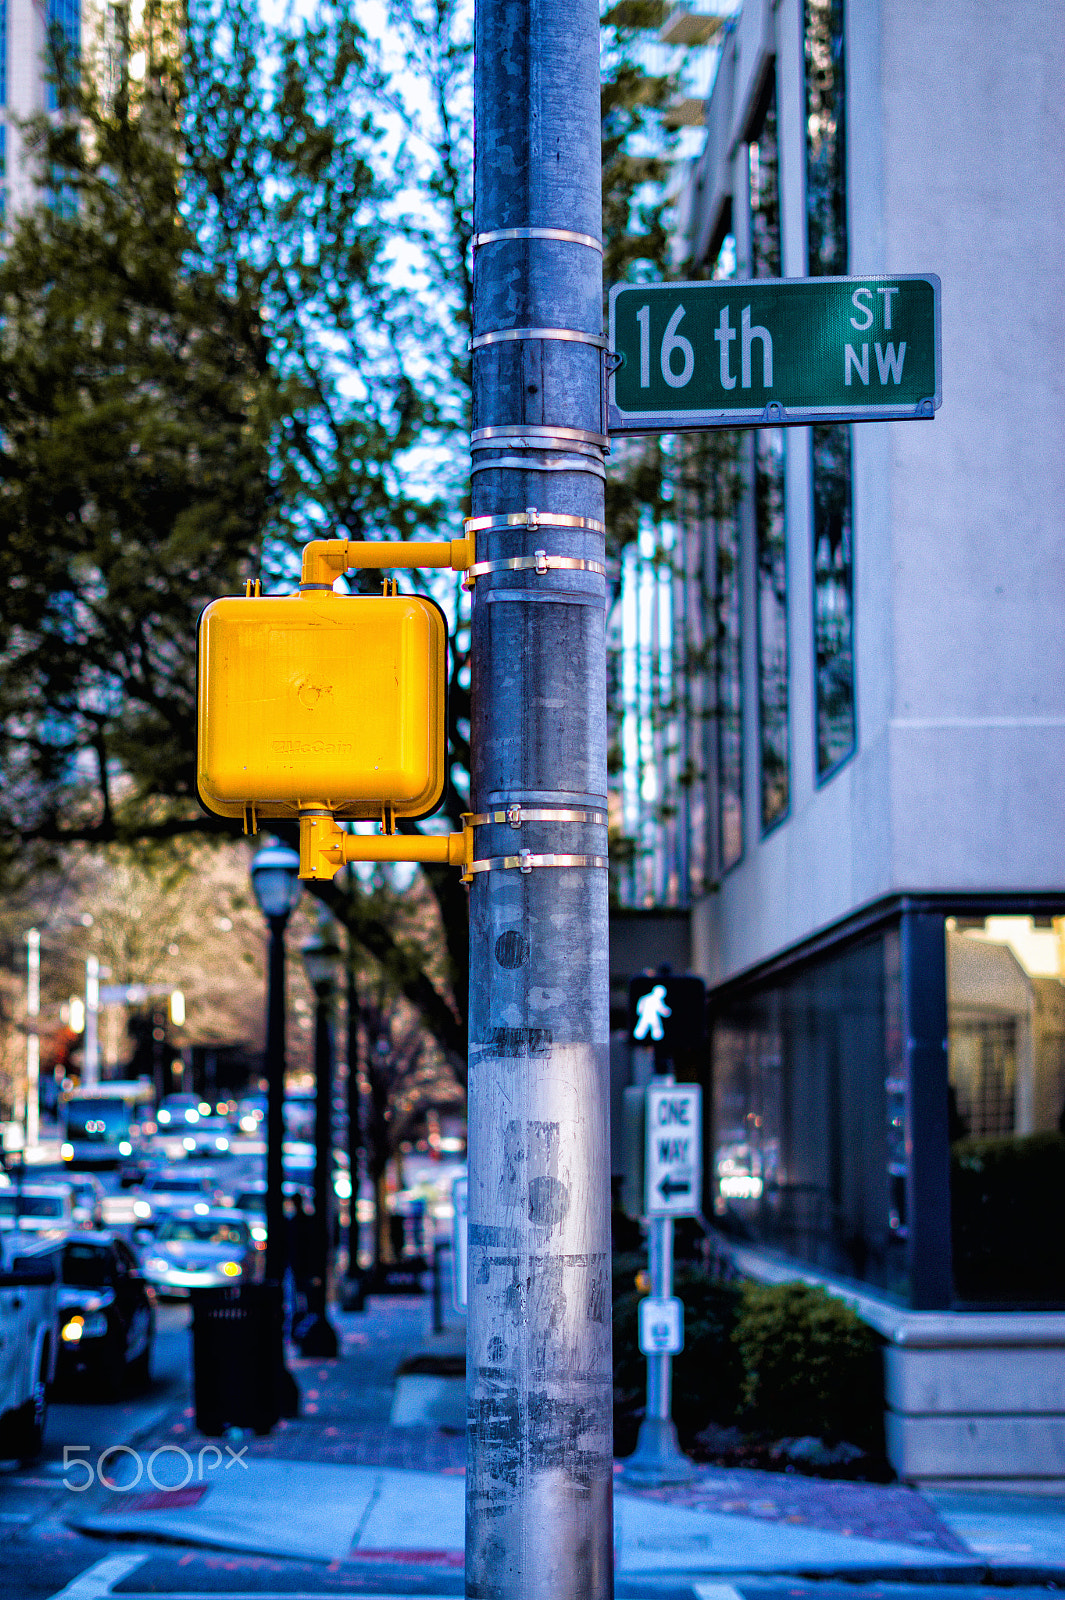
37 1208
202 1251
172 1189
28 1340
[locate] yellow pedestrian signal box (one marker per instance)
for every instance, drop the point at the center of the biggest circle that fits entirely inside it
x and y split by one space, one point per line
321 701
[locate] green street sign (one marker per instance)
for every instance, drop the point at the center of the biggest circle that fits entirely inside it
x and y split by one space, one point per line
769 352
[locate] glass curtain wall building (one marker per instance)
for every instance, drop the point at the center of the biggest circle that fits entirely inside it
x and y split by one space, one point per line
866 741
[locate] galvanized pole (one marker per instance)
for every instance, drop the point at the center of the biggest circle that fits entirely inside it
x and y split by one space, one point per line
33 1041
539 1457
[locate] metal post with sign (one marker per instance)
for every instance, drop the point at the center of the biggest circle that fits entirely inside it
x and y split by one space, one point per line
673 1186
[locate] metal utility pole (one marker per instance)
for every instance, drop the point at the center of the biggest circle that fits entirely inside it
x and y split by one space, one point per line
539 1457
90 1061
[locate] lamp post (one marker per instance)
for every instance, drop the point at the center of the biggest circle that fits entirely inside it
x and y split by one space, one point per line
277 889
33 1042
320 956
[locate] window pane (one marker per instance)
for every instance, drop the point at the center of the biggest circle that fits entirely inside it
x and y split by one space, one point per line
772 622
770 535
807 1118
826 173
729 692
833 596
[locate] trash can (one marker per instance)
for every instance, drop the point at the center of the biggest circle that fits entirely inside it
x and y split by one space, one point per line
237 1357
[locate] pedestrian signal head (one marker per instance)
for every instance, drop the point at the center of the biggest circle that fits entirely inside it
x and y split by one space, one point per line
321 700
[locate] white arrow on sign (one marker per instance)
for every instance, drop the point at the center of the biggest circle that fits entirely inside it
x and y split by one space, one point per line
674 1150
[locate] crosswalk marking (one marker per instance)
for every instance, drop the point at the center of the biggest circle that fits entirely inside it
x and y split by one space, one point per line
96 1583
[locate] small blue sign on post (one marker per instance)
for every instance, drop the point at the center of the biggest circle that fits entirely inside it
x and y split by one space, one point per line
661 1325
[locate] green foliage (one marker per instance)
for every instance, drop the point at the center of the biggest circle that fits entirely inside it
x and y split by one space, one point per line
246 325
135 480
811 1366
997 1187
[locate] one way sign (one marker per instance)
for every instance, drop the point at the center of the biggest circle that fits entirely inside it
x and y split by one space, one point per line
674 1154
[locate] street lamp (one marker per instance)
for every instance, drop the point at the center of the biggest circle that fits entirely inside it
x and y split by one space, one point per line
277 889
321 954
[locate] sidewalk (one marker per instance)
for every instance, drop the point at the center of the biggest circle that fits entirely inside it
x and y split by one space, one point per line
341 1483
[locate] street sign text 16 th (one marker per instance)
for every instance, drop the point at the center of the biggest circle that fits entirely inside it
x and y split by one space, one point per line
769 352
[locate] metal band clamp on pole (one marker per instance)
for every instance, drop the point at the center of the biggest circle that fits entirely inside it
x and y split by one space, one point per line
510 335
532 518
516 813
527 860
559 235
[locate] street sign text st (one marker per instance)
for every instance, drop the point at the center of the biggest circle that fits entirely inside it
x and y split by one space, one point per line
769 352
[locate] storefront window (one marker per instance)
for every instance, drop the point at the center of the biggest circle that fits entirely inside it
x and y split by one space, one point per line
810 1126
1006 1029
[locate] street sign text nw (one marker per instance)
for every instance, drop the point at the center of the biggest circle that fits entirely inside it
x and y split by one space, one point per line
768 352
674 1151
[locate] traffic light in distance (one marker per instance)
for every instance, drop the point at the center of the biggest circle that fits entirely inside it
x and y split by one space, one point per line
322 700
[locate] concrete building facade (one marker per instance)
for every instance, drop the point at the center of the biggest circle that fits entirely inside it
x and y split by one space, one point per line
875 742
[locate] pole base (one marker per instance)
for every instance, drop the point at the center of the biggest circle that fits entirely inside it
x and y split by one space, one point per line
316 1336
353 1293
657 1457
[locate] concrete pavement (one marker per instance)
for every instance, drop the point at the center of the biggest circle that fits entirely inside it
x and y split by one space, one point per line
343 1484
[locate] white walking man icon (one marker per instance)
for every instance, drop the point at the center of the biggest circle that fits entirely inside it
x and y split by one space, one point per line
651 1011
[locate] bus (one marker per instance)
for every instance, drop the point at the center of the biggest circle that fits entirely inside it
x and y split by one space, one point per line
100 1121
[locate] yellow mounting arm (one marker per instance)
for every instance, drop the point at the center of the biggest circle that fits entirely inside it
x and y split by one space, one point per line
325 847
325 559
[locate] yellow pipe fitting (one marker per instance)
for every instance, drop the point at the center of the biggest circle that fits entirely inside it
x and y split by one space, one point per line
325 559
325 847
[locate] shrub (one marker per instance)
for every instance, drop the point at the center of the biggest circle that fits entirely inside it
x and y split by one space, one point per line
810 1367
1004 1194
707 1375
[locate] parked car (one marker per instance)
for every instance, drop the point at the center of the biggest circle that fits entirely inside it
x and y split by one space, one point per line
106 1313
171 1189
37 1207
28 1296
201 1251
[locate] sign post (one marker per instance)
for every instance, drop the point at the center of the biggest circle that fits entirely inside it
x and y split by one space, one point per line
772 352
673 1186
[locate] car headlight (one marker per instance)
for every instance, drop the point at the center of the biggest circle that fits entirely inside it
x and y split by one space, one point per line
72 1331
141 1208
192 1116
190 1144
231 1269
221 1144
258 1234
201 1208
125 1148
248 1124
342 1186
